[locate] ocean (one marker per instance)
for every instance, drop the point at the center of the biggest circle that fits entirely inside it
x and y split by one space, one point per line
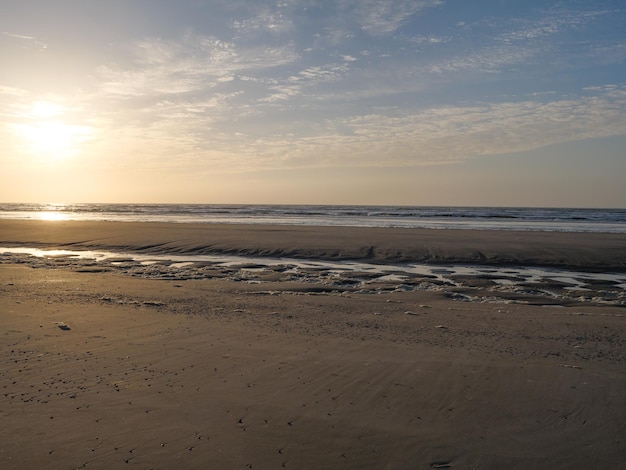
481 218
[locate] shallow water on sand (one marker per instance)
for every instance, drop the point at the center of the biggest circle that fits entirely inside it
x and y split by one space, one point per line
509 284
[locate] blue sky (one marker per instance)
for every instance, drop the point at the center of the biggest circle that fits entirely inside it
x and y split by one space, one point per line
348 101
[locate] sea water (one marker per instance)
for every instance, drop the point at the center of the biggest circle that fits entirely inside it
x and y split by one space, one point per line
482 218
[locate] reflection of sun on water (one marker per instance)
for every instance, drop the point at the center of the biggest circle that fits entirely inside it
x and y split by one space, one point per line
52 216
45 134
54 211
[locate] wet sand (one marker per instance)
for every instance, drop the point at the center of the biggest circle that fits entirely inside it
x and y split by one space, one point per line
228 373
589 251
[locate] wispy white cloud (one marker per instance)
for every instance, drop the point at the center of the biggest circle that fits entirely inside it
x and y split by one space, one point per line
317 74
274 19
521 43
305 83
489 59
30 40
458 132
337 19
430 39
376 17
392 138
195 62
281 93
13 91
550 22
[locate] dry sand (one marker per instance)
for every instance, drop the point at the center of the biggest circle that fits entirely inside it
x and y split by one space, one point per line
219 374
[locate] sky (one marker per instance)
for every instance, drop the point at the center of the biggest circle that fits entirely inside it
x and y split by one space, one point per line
412 102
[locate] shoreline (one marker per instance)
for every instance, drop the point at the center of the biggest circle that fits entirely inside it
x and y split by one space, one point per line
598 220
512 268
600 252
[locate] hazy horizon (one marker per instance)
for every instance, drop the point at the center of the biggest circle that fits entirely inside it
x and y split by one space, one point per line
398 102
61 205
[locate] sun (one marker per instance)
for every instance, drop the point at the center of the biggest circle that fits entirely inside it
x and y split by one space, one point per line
45 133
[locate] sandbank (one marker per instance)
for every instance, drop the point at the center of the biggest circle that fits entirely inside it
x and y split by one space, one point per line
585 251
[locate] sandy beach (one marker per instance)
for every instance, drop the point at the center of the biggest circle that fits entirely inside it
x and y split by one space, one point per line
114 368
588 251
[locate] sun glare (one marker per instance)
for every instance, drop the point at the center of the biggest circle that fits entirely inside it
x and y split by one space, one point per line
52 216
45 110
45 134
